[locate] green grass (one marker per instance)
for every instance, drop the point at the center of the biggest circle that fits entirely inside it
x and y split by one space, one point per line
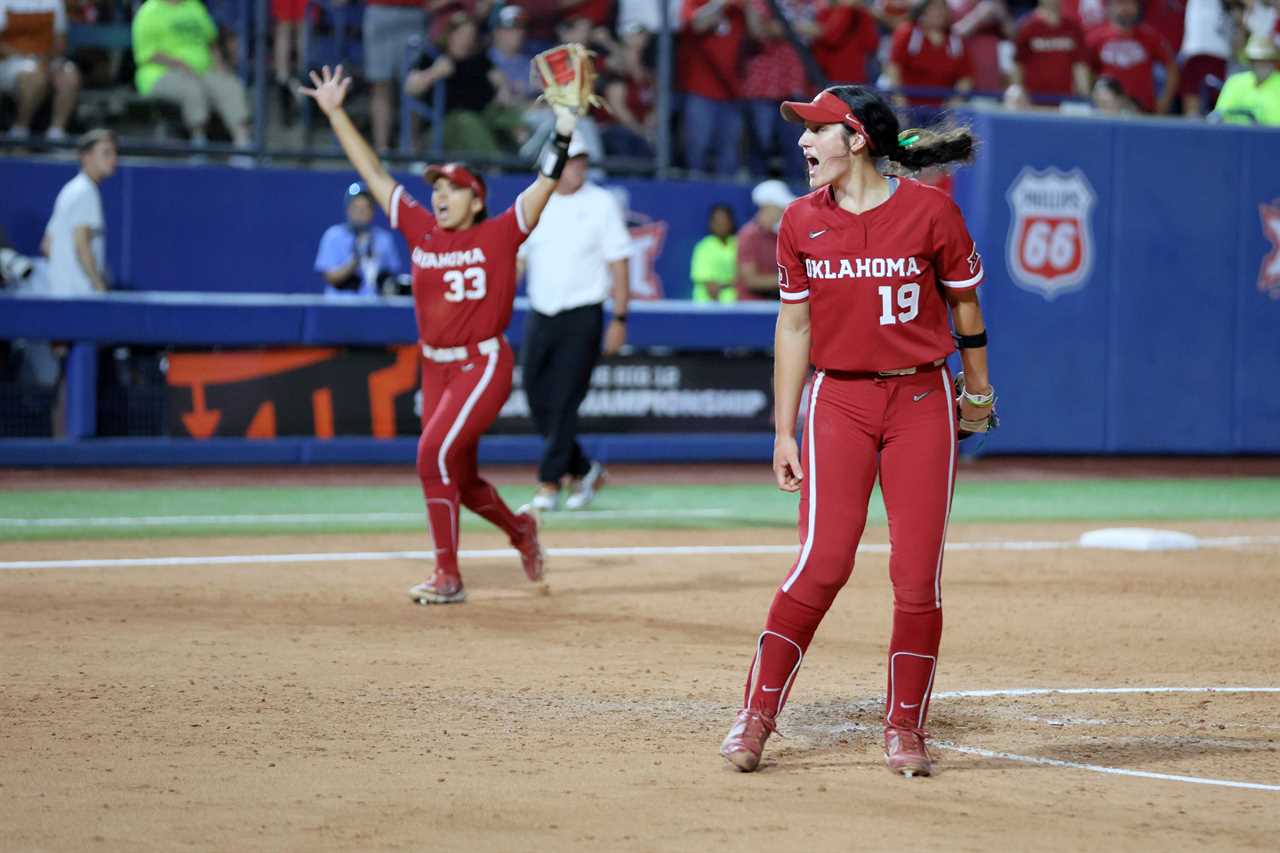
105 514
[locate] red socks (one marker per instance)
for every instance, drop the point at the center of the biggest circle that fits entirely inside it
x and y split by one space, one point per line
788 630
913 661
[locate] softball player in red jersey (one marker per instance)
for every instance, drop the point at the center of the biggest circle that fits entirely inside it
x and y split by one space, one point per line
464 284
869 268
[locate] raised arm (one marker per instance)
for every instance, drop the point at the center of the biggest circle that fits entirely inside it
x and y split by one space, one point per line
534 199
329 93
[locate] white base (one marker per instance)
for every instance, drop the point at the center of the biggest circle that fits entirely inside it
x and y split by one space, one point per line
1139 539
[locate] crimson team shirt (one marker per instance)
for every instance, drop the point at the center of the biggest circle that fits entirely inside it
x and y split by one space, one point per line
1130 57
709 62
875 281
926 64
1047 52
464 282
847 37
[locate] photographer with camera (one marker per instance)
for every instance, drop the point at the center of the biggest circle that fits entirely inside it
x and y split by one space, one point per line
358 258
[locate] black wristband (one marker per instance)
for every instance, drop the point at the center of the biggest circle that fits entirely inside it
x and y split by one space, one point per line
620 318
555 156
971 341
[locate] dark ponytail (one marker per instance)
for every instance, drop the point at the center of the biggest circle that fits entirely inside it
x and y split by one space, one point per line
912 149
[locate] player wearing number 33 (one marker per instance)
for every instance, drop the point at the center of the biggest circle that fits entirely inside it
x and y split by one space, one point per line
869 267
464 284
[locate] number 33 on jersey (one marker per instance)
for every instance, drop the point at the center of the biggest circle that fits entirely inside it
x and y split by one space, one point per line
464 282
874 281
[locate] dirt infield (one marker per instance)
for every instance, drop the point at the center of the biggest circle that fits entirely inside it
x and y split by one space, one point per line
309 706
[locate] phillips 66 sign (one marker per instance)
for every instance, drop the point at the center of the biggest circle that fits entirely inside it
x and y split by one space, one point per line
1051 249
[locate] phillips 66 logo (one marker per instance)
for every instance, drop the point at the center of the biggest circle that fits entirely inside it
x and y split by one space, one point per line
1051 236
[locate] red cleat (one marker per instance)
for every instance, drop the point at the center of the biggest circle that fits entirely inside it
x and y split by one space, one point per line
905 752
532 557
745 741
441 588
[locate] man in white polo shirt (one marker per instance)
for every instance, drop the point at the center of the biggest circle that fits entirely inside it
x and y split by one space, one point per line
575 259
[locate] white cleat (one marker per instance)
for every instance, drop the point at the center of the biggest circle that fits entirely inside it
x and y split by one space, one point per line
586 489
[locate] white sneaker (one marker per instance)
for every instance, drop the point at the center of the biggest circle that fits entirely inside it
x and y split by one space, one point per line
590 484
545 501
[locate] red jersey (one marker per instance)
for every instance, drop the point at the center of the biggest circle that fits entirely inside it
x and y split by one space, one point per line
709 62
1047 52
464 282
874 281
848 35
926 64
1130 57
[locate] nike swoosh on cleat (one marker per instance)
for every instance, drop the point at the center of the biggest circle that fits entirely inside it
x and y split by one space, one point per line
813 235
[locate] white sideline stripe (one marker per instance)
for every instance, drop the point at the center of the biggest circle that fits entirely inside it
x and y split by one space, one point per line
1097 768
1091 691
326 518
660 550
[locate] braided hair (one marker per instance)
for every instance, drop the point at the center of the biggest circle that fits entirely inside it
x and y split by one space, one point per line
914 148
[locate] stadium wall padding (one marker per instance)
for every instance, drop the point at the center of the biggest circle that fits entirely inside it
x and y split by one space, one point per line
1163 338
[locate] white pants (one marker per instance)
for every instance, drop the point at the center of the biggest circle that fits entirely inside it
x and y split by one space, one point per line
196 94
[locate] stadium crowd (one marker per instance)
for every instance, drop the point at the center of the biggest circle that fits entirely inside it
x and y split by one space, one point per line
734 60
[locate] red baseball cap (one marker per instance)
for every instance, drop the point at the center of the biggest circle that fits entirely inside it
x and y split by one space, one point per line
458 175
826 108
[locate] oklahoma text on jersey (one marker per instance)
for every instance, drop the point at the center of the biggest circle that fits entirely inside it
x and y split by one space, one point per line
861 267
444 260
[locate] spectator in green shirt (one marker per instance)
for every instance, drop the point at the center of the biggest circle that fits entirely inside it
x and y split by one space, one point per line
174 47
1253 97
715 259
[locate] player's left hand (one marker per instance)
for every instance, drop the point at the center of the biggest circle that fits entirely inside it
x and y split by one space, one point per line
614 337
786 464
330 89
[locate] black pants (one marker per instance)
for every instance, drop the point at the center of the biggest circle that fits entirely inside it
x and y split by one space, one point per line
557 357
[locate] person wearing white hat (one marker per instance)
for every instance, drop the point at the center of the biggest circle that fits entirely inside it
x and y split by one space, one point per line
575 259
1253 96
758 242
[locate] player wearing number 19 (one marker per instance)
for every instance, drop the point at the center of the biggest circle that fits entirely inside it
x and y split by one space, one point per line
464 284
869 267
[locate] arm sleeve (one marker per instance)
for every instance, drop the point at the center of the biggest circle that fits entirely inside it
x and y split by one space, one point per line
330 255
146 36
1021 46
617 239
513 225
898 47
407 216
955 260
700 263
1160 48
793 281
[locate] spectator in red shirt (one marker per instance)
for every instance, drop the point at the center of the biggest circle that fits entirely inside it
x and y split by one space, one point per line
628 128
1050 60
711 79
982 25
757 276
1128 51
1090 13
926 54
775 73
847 37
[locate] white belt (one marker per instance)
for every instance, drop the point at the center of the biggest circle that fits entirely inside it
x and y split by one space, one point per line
444 355
907 371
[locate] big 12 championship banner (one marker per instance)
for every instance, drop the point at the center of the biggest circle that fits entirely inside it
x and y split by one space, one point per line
328 392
